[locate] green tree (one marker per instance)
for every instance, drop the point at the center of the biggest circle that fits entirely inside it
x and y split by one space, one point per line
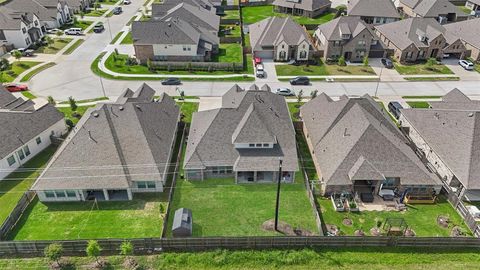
81 14
49 41
341 61
365 61
93 250
182 95
431 62
299 96
4 64
126 248
17 54
313 94
73 104
51 100
54 252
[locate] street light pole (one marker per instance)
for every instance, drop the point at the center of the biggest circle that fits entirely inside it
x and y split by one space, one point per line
101 83
378 82
278 194
109 29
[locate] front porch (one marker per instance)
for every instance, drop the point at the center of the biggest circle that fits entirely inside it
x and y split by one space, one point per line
262 177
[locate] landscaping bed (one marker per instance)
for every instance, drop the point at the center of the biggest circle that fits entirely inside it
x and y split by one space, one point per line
235 30
57 45
421 218
95 13
322 70
255 14
68 113
16 68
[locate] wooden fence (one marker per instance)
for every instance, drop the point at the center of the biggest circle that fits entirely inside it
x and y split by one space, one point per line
16 213
464 213
156 245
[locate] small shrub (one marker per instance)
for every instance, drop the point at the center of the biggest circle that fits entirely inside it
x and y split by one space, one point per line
51 100
341 61
54 252
73 103
69 123
93 249
131 61
313 94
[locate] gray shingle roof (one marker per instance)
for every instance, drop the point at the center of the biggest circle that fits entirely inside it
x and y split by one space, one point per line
354 138
33 6
372 8
273 30
405 32
333 29
454 135
114 144
433 8
455 100
466 30
164 32
194 15
210 138
309 5
20 122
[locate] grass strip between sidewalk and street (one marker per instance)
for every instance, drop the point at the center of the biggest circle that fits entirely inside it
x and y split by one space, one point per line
34 72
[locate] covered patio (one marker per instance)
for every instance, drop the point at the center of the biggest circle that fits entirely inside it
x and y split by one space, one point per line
262 176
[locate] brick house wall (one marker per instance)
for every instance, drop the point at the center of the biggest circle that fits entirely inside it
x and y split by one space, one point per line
143 52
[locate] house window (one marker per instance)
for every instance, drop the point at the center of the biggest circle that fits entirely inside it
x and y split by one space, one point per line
266 145
49 194
229 169
251 145
283 46
11 160
151 184
215 170
362 42
36 23
283 55
71 193
145 184
60 194
38 140
26 150
141 185
184 48
303 54
259 145
27 41
20 154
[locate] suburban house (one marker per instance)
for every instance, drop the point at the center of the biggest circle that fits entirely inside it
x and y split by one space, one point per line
280 39
115 150
416 39
19 29
182 33
473 5
349 37
447 135
357 148
441 10
373 11
27 128
246 139
306 8
161 9
76 6
467 31
51 13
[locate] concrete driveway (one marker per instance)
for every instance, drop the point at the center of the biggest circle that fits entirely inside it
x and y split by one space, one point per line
270 72
468 75
387 74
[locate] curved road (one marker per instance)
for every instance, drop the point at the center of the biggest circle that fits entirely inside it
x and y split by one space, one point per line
72 76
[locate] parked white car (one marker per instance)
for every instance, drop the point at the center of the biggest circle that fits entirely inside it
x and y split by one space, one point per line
285 92
74 31
260 72
467 65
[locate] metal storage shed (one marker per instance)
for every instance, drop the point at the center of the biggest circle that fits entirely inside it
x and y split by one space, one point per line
182 223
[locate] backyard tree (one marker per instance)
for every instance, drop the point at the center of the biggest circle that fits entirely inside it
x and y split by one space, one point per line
54 252
182 95
341 61
73 104
17 55
93 250
126 249
313 94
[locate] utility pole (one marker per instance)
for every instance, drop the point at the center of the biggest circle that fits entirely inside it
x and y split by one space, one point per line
101 83
278 194
378 82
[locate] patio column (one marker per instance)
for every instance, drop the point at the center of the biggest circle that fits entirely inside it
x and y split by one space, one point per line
254 176
129 193
236 177
105 194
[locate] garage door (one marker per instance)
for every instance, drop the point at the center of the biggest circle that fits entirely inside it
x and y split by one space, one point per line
376 54
264 54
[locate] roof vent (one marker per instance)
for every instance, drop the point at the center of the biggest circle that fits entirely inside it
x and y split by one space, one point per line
470 114
138 107
120 108
95 114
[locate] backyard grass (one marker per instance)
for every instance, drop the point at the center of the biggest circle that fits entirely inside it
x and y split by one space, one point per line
421 68
16 183
127 39
306 157
84 24
15 69
231 15
34 72
67 112
422 218
229 53
187 109
119 34
138 218
418 104
74 46
322 69
257 13
95 13
57 45
294 108
235 30
246 41
381 258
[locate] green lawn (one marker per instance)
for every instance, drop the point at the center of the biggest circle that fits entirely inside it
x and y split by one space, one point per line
422 218
250 68
421 97
235 30
84 24
322 69
305 155
258 13
74 46
127 39
15 184
15 69
108 2
229 53
138 218
381 258
432 79
418 104
68 112
246 40
85 100
187 109
294 108
231 15
95 13
117 36
34 72
57 45
421 68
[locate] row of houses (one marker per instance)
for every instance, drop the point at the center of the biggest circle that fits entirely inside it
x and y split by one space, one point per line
25 22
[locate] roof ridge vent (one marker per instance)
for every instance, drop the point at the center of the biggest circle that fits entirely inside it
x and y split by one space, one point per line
95 114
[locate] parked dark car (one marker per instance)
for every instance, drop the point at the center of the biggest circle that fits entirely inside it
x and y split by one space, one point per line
394 108
300 81
117 10
98 28
171 81
387 63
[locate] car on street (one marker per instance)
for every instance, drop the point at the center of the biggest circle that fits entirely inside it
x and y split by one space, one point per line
300 81
74 31
117 10
285 92
260 71
467 65
98 28
394 108
127 2
15 87
171 81
387 63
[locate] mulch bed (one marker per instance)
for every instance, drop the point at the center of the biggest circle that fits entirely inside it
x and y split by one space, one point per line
409 233
285 228
347 222
443 221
